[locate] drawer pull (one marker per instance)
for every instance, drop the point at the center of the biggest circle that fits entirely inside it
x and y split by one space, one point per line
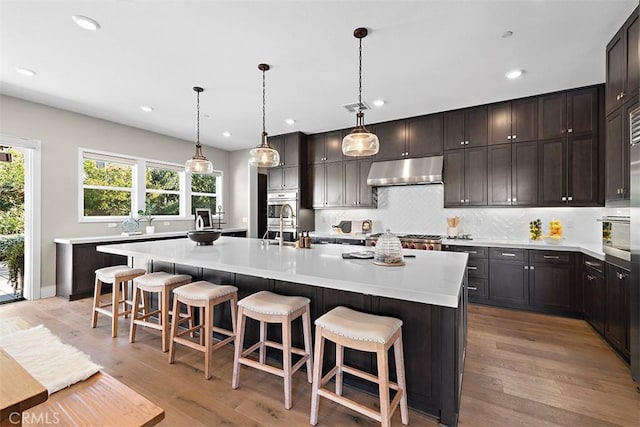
471 252
593 264
507 254
472 268
590 277
471 288
551 257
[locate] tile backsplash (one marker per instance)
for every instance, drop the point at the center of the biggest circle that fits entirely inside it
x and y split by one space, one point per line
419 209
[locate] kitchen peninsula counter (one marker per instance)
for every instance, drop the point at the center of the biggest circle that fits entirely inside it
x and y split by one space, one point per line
428 294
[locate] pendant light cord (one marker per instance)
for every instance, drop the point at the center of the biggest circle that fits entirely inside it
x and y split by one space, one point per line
198 119
264 92
360 78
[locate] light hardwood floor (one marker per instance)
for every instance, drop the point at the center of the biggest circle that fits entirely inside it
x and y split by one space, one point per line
522 369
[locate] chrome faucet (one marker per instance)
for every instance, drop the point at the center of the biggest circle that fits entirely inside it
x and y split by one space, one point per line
282 209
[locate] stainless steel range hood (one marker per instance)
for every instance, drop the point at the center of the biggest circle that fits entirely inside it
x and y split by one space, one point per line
421 170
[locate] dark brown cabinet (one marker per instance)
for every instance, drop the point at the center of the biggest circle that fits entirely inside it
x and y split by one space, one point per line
425 136
465 177
292 148
513 121
392 137
477 272
327 185
509 284
512 174
617 178
568 172
550 280
357 193
573 112
623 66
617 322
325 147
465 128
594 292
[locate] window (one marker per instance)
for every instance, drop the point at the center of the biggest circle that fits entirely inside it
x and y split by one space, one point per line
162 194
112 186
107 186
204 193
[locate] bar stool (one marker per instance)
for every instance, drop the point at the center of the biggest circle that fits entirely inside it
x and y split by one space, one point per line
118 276
364 332
267 307
206 296
160 283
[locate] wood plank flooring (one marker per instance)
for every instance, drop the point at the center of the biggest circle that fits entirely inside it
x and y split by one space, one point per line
522 369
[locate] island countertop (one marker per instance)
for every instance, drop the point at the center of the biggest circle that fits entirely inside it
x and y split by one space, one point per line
430 278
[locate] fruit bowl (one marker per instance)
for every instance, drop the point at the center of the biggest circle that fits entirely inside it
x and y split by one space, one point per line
204 237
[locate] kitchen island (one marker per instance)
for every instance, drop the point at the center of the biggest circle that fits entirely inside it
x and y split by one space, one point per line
428 294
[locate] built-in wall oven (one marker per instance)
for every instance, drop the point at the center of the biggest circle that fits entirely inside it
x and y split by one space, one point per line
616 237
276 203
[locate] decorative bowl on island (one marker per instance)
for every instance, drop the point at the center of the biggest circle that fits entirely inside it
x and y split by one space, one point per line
204 237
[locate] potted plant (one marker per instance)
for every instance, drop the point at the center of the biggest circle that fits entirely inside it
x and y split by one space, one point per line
146 216
13 254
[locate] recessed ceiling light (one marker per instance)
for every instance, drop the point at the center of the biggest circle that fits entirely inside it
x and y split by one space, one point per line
378 102
146 109
85 22
289 121
226 134
25 71
514 74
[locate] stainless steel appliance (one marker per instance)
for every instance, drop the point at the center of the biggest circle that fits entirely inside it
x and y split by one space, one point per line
615 237
426 242
295 220
422 170
634 169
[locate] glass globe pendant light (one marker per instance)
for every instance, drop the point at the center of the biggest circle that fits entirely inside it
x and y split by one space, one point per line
198 164
264 155
360 142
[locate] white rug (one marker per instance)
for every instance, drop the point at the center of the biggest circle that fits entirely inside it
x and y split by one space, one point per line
54 364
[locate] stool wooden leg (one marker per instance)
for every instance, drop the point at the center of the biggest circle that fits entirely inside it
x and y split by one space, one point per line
115 308
174 330
164 314
286 361
96 302
202 337
306 329
235 380
191 319
124 295
317 377
234 313
383 384
208 331
339 365
134 312
263 337
402 383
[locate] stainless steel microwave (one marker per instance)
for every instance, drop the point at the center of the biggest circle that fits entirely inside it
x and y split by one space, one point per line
616 236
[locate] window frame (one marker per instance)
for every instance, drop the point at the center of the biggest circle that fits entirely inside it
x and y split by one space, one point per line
138 186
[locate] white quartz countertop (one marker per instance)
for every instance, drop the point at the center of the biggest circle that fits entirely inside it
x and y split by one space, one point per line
564 245
430 278
120 237
350 236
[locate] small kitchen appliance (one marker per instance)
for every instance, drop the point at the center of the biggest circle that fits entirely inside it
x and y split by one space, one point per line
426 242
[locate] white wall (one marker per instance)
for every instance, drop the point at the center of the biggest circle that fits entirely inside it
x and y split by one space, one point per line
420 209
61 133
240 177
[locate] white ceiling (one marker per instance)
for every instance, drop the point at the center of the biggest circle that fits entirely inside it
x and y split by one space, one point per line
420 56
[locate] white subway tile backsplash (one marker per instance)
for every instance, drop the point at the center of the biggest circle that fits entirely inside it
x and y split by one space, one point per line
420 209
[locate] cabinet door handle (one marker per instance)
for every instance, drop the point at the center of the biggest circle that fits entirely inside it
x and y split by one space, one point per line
590 277
592 264
466 143
461 142
622 94
531 267
570 130
472 268
514 200
462 201
508 136
508 199
466 200
526 267
472 288
569 198
507 254
551 257
514 136
564 199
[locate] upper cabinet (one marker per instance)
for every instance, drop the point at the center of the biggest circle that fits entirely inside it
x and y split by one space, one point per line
416 137
568 113
513 121
465 177
623 65
465 128
292 148
325 147
617 180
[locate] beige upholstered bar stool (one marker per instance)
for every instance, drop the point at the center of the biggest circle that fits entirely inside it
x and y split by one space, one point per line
119 276
206 296
267 307
162 284
364 332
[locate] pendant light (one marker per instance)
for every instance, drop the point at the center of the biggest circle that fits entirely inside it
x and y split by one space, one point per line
360 142
198 164
264 155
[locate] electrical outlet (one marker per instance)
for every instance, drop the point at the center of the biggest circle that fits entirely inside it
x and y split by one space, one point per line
112 225
166 223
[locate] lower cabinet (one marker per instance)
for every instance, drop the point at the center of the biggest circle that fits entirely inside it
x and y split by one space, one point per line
617 316
593 291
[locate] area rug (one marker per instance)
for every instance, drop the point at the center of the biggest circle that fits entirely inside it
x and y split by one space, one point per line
53 364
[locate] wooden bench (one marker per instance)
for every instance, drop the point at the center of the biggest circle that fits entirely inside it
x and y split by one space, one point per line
101 400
